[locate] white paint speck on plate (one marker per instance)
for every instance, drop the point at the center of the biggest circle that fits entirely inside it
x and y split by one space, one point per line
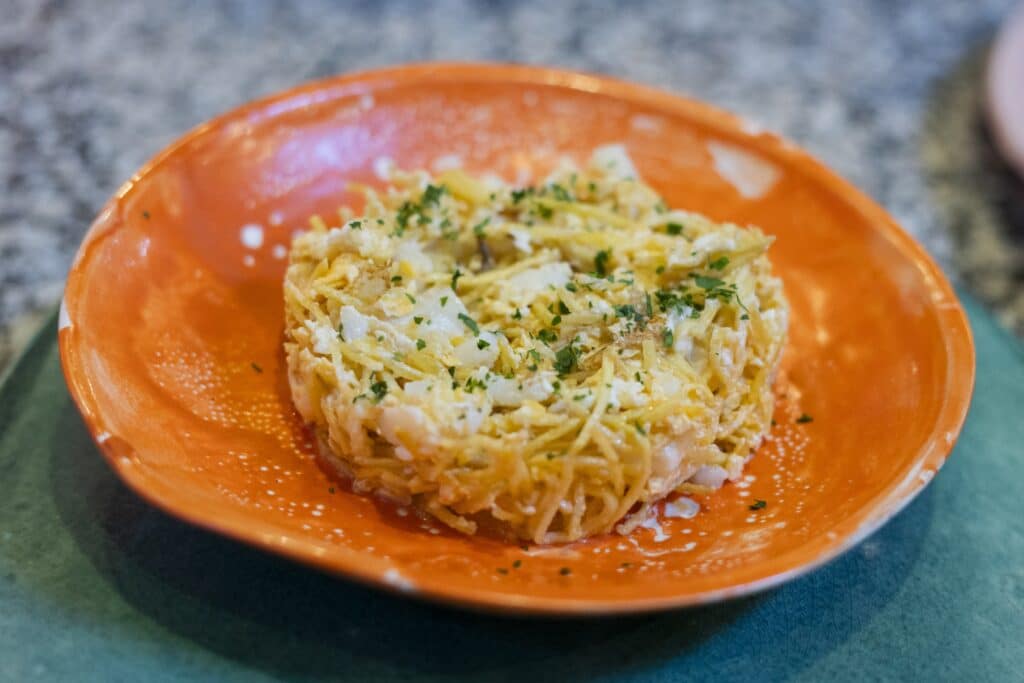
447 162
366 101
102 437
63 319
396 579
279 251
248 261
383 167
276 218
252 235
751 175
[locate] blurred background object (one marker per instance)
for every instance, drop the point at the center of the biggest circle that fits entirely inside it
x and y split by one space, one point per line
887 93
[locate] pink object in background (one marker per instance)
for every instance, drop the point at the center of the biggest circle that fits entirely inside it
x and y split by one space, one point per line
1006 89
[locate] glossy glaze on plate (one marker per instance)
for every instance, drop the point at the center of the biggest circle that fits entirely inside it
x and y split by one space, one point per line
171 336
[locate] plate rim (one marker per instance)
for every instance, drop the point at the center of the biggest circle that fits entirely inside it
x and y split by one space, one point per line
957 338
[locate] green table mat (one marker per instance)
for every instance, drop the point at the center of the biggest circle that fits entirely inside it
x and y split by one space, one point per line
97 585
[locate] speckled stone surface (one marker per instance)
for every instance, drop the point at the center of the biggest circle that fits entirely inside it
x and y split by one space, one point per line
884 92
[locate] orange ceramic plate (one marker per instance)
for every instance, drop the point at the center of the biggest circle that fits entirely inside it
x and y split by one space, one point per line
171 335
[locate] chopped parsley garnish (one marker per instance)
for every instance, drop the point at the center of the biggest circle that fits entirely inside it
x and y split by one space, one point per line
535 355
636 376
478 229
470 323
557 320
455 280
565 571
517 564
517 315
759 505
719 263
571 286
668 338
256 368
520 195
501 570
639 429
601 262
145 214
396 278
709 283
432 195
560 193
482 344
444 301
355 225
804 419
547 335
410 297
341 331
545 211
417 319
451 371
380 390
659 270
420 344
674 228
562 308
650 308
567 359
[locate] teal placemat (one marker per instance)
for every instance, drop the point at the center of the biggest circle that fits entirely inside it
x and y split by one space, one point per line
95 585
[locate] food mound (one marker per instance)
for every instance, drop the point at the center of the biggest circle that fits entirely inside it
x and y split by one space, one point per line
543 362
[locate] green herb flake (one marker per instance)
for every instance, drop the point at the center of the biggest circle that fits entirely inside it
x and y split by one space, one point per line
668 338
380 390
256 368
517 564
478 229
547 336
571 286
410 297
501 570
432 195
567 359
470 323
639 429
804 419
444 301
418 319
758 505
557 320
455 280
565 571
659 270
601 262
562 308
674 228
420 344
482 344
396 278
145 214
355 225
517 315
719 263
708 283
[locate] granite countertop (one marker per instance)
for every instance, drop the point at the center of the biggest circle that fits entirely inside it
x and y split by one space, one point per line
886 93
